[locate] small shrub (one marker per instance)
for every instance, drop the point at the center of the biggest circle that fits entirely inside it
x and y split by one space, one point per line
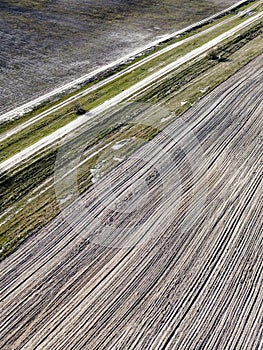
212 55
78 109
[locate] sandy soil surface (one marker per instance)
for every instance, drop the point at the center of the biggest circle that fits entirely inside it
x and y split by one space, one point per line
47 43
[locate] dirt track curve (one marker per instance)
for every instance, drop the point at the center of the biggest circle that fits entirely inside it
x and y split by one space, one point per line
194 281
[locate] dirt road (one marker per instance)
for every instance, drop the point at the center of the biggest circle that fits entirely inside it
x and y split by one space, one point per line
49 140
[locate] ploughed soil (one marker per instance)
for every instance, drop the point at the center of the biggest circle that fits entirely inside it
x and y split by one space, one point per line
47 43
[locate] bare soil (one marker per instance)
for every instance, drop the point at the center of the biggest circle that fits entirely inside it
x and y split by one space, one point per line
195 279
45 44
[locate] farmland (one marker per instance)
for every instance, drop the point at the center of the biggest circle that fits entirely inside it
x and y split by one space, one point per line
188 284
131 203
84 35
29 146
